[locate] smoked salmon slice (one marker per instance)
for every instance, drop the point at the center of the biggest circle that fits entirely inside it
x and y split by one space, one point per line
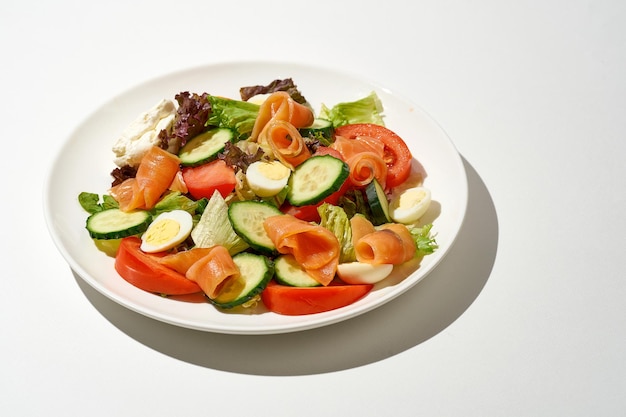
314 247
286 143
349 147
360 226
183 260
366 166
213 271
365 156
155 174
178 184
124 193
391 243
280 106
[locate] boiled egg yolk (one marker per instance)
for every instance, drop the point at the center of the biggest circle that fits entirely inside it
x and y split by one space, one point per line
409 205
267 178
166 231
363 273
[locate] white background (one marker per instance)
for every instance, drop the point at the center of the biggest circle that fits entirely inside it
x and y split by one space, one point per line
525 317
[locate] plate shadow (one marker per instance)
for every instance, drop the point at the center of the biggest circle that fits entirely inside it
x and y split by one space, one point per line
425 310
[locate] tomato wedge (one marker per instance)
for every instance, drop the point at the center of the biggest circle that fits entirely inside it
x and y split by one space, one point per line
145 272
203 180
397 154
298 301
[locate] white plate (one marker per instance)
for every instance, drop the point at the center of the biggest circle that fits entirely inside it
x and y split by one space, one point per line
86 159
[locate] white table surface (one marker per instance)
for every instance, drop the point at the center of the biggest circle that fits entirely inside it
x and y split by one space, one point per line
526 316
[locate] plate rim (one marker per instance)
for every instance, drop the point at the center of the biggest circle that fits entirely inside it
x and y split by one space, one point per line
313 321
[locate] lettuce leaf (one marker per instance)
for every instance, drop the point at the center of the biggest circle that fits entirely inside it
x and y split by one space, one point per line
426 243
369 109
121 174
353 202
91 203
191 116
336 220
286 85
174 200
237 115
214 227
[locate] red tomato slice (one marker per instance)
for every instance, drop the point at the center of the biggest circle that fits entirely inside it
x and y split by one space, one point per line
397 154
297 301
203 180
145 272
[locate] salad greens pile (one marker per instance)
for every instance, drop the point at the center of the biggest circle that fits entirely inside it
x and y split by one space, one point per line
199 112
208 221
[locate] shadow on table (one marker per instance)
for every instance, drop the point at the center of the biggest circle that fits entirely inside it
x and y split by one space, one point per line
412 318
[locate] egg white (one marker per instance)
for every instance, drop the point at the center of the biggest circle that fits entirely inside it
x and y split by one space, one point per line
158 238
261 184
363 273
258 99
409 205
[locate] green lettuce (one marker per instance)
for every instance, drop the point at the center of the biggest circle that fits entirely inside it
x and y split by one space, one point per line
174 200
369 109
425 241
214 227
91 203
237 115
353 202
336 220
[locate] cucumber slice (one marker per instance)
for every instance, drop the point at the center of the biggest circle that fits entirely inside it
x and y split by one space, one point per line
315 179
289 272
247 219
205 147
320 129
256 271
377 202
115 223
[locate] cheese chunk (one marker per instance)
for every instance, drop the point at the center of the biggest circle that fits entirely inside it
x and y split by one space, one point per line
143 133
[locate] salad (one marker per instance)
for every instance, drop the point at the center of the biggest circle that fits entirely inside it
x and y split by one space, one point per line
261 199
